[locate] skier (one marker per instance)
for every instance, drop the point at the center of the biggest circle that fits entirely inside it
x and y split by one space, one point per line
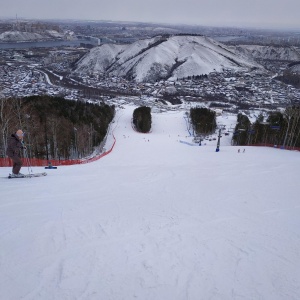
14 146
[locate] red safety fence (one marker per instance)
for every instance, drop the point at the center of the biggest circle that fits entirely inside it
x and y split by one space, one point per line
36 162
276 146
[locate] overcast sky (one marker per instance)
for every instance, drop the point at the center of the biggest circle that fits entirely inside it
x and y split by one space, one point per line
250 13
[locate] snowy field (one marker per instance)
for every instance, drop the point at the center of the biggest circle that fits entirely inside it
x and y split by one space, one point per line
156 219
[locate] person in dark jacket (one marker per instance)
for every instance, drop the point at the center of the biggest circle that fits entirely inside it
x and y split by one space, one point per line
14 147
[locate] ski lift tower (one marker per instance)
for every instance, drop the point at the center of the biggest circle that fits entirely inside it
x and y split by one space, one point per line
219 137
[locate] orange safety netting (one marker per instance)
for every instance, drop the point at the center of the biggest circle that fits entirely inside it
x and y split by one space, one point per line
36 162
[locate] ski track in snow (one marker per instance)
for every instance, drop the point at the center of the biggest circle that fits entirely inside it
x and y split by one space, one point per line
155 219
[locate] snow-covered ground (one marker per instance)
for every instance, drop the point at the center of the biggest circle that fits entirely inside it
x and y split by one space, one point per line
12 36
155 219
269 52
175 57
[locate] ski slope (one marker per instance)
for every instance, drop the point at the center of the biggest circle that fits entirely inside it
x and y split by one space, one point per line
155 219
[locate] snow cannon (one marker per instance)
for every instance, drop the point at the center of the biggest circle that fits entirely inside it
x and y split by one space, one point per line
50 166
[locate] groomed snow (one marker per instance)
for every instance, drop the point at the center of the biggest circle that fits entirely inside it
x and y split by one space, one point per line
155 219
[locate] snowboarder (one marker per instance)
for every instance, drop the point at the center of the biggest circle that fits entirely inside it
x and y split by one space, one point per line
14 146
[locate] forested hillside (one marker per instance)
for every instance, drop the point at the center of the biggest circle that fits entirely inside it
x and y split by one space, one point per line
55 128
281 129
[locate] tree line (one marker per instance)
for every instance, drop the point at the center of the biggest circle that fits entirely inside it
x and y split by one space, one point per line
278 128
203 120
142 119
55 128
290 77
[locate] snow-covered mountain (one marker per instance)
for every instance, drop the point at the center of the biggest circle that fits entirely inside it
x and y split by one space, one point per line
12 36
162 58
20 36
295 69
270 52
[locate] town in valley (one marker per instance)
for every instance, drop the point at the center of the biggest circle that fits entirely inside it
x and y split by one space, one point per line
40 58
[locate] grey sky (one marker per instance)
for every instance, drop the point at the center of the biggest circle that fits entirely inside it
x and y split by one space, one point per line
253 13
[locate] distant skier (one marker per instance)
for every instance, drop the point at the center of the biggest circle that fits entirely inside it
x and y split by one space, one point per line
14 147
244 150
239 151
